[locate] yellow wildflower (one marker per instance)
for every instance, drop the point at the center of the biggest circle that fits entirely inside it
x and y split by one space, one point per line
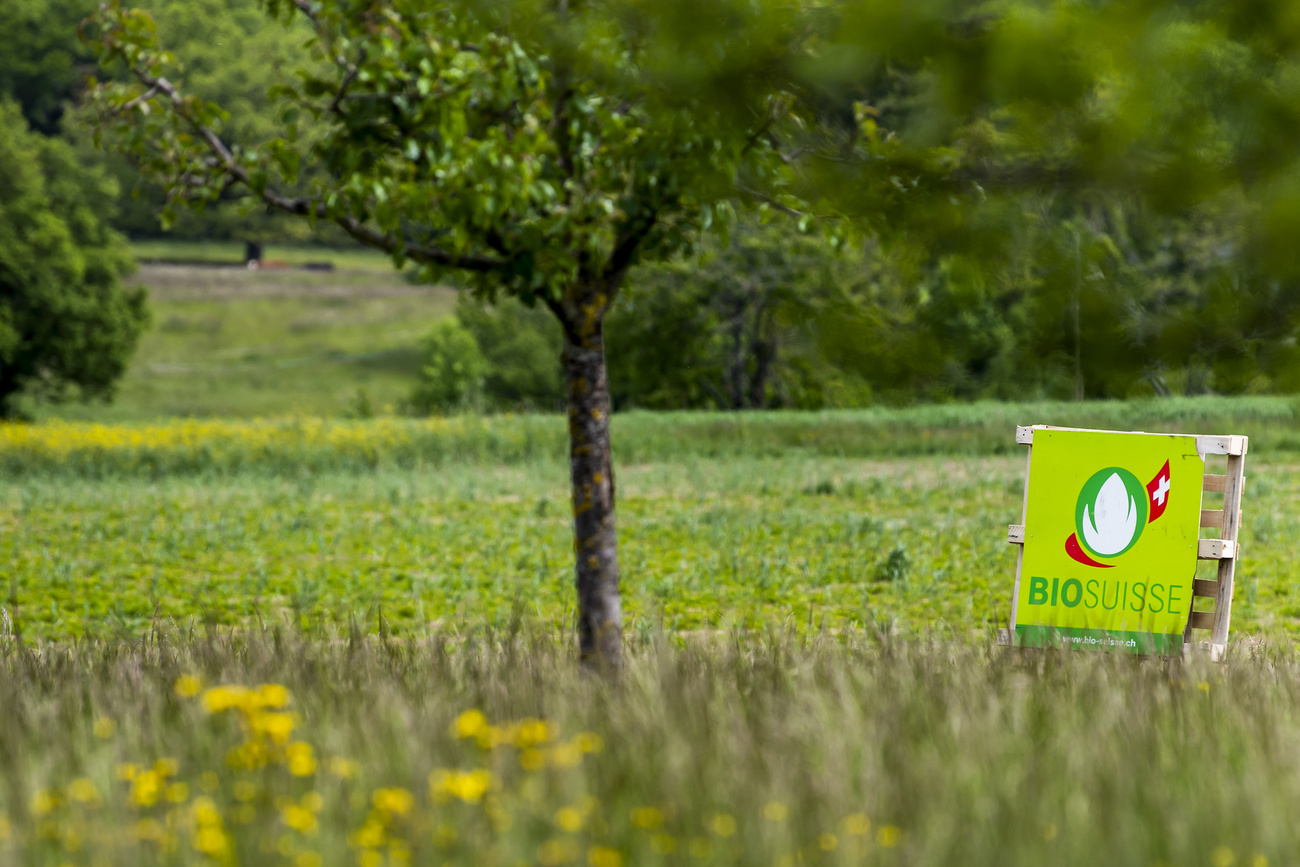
223 698
1222 856
662 844
44 802
395 801
272 695
302 763
566 755
344 769
558 851
299 818
313 801
277 726
774 811
83 791
166 767
209 781
857 824
568 819
603 856
244 791
532 759
178 793
188 686
889 836
126 771
145 788
104 728
307 859
589 742
468 786
723 824
469 724
647 818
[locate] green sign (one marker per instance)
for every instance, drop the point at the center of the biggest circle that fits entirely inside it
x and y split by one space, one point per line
1111 528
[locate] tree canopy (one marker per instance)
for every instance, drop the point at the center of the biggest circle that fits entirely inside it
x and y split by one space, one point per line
67 326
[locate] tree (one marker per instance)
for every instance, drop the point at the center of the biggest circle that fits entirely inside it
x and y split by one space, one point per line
67 327
43 65
523 146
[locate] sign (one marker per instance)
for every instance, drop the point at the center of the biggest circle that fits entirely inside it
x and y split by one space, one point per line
1112 522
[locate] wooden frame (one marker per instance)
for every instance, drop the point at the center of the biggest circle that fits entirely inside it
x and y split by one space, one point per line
1225 549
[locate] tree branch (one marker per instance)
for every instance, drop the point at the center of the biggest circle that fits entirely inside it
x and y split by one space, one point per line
303 206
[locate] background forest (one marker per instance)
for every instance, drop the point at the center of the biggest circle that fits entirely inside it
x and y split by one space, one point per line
1067 295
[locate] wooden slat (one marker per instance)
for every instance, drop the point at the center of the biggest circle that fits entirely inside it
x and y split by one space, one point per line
1202 620
1221 445
1214 483
1212 519
1024 435
1215 549
1016 534
1202 587
1231 527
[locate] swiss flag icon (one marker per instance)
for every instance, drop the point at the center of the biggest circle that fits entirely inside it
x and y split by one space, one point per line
1158 493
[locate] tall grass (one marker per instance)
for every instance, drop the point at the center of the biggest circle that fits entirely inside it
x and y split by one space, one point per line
291 446
767 750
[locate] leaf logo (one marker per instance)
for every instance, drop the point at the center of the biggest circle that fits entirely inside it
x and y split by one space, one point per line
1109 516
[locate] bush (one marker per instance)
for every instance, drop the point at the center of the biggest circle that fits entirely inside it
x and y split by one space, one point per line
452 369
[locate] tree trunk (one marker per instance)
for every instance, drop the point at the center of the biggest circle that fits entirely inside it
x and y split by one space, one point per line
600 614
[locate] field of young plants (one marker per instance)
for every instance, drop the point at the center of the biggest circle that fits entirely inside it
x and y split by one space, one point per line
309 642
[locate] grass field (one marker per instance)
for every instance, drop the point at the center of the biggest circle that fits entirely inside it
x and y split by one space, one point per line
310 641
228 342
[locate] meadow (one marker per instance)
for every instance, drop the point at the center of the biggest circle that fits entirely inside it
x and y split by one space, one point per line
266 633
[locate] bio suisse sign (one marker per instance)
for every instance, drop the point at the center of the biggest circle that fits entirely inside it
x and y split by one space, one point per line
1111 528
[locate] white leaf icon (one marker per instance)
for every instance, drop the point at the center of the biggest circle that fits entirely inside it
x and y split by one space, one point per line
1113 521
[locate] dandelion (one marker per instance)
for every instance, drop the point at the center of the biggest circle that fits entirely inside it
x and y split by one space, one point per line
104 728
178 793
603 856
723 824
396 802
245 791
307 859
209 781
1222 856
1257 861
166 767
44 802
83 791
589 742
302 763
5 829
222 698
559 851
774 811
145 788
468 786
299 818
568 819
857 824
344 769
663 844
1203 686
469 724
188 686
827 842
647 818
272 695
889 836
532 759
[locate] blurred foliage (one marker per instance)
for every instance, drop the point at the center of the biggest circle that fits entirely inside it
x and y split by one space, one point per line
44 64
67 326
451 370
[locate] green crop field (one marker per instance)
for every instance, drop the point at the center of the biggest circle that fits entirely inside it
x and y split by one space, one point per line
240 628
312 642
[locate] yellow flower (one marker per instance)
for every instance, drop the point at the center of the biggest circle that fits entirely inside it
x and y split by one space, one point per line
272 695
313 801
589 742
370 859
166 767
223 698
856 824
83 791
566 755
178 793
126 771
299 818
210 840
888 836
245 791
468 786
554 852
5 830
301 761
1222 856
723 825
774 811
397 802
188 686
44 801
827 842
277 726
568 819
469 724
1203 687
104 728
647 818
209 781
532 732
307 859
532 759
603 856
344 769
662 844
146 788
